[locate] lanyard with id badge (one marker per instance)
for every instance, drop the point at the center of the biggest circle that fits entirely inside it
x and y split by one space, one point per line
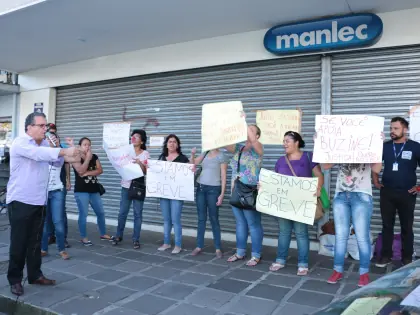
395 165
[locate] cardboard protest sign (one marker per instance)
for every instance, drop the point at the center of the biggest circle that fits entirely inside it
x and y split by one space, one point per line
415 123
122 160
275 123
222 124
287 197
116 134
170 180
348 139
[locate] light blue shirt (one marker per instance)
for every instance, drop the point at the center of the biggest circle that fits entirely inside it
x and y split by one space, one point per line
29 170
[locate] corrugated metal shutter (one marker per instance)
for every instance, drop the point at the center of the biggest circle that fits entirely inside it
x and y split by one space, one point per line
378 82
173 101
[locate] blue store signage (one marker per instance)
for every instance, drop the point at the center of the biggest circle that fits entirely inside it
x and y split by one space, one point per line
340 32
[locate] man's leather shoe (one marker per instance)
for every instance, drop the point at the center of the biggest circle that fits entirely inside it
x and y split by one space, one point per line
16 289
43 281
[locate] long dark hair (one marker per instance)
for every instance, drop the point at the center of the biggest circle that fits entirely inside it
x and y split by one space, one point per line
296 137
165 144
142 135
84 138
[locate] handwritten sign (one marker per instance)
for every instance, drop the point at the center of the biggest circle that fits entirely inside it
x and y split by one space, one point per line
348 139
415 123
122 160
366 306
170 180
413 299
156 141
116 134
287 197
222 124
275 123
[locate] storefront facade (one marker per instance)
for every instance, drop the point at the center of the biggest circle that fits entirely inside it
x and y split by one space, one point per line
162 90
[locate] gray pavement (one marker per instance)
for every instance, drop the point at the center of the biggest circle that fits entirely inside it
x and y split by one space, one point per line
106 279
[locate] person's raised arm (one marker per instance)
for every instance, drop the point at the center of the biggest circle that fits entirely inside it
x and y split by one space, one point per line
252 138
81 168
318 173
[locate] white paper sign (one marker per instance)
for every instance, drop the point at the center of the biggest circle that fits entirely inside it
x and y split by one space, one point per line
287 197
415 123
222 124
413 299
348 139
156 141
170 180
116 134
122 160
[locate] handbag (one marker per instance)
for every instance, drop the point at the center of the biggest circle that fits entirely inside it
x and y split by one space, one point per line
101 189
137 189
199 170
319 212
243 196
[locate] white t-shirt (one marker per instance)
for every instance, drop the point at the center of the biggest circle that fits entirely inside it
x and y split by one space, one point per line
55 179
144 156
354 178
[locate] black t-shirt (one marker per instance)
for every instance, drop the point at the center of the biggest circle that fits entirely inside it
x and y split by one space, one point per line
87 184
179 159
405 178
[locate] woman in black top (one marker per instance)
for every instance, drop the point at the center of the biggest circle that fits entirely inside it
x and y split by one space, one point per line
171 209
87 191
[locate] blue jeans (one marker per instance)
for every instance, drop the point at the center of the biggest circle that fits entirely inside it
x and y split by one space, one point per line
171 211
248 220
125 204
206 201
94 199
359 207
51 229
285 236
55 214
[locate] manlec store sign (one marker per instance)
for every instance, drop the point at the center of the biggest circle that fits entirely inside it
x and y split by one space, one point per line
350 31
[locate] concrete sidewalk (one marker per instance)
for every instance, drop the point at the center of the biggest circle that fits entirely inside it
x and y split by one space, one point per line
106 279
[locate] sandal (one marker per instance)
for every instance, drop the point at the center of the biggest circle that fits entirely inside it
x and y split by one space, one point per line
302 271
253 262
164 247
196 251
106 238
276 266
64 255
116 240
44 254
219 254
235 257
136 245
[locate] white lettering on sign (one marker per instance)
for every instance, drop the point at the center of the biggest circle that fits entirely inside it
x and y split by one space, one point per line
325 36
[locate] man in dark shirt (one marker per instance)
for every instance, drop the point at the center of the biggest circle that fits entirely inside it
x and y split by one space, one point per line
401 157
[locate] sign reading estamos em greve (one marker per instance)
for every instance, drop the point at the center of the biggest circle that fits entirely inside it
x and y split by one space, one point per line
340 32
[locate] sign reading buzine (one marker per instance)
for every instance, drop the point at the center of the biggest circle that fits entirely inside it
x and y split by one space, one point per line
170 180
348 139
287 197
325 34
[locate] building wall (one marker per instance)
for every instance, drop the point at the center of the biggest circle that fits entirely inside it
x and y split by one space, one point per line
400 28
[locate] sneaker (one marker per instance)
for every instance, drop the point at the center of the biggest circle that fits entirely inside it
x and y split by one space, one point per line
335 277
363 280
383 262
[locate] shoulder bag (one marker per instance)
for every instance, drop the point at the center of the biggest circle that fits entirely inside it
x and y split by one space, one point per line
137 189
199 170
243 196
319 212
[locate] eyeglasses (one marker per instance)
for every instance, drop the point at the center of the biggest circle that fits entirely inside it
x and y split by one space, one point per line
42 126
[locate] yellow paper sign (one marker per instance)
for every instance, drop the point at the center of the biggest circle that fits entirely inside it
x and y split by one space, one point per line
222 124
287 197
366 306
275 123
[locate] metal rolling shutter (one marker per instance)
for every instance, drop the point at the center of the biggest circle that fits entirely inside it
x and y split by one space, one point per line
378 82
173 101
